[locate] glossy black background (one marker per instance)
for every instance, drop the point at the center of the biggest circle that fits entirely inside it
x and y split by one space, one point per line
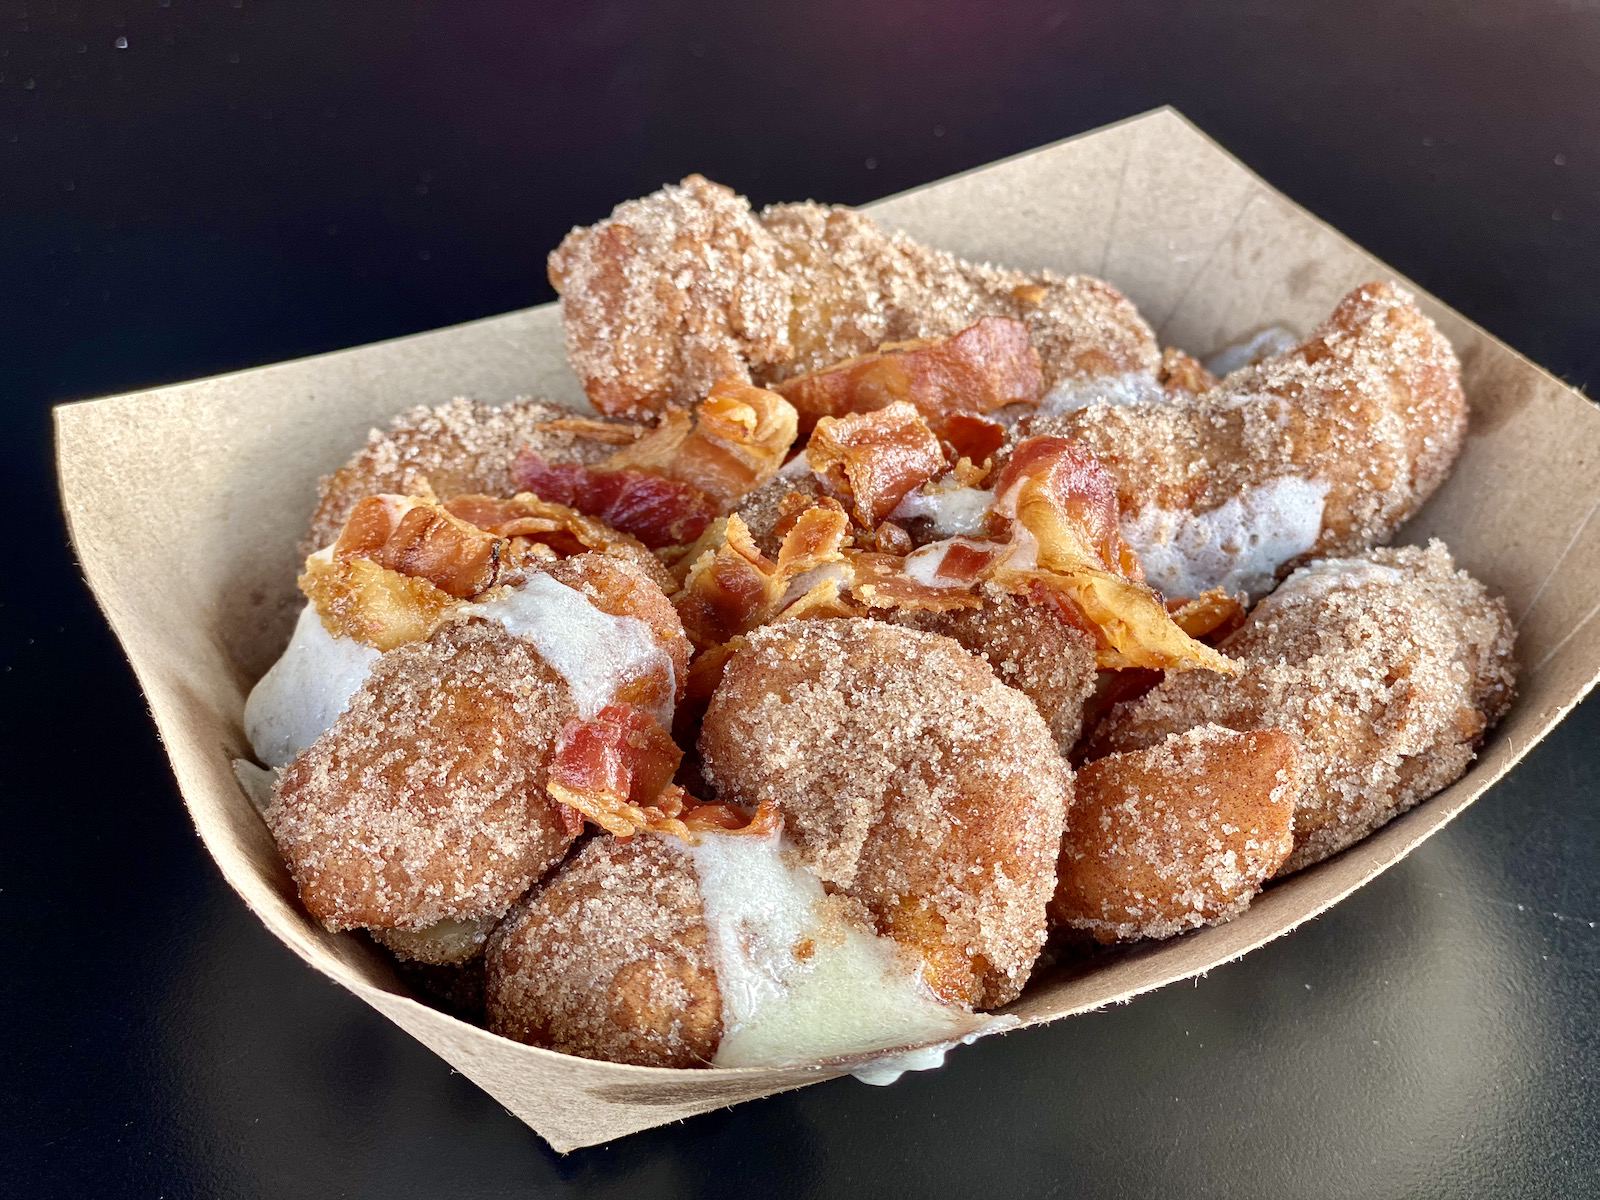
243 182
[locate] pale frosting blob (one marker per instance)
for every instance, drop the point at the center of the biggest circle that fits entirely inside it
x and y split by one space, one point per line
305 691
1119 391
595 652
801 982
952 508
1317 579
1238 546
1270 341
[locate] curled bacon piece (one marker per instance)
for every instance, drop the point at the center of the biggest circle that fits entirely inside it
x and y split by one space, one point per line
986 366
666 487
381 608
617 769
659 512
1068 546
735 588
875 459
421 539
1212 615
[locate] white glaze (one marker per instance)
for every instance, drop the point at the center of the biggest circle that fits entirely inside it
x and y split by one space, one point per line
1315 580
853 992
1237 547
1274 339
952 508
1129 388
595 652
306 689
923 565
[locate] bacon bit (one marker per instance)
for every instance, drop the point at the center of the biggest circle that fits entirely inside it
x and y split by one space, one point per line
659 512
356 598
1031 294
421 539
617 771
1212 615
965 561
564 529
1181 373
986 366
612 433
881 582
893 539
571 819
875 458
734 588
971 438
724 818
667 486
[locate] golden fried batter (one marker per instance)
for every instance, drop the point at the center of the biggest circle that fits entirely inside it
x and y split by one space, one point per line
462 446
1030 646
911 780
668 295
426 801
1370 405
1386 669
1177 836
611 959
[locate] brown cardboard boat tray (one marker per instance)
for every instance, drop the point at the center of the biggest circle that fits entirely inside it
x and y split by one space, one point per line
185 504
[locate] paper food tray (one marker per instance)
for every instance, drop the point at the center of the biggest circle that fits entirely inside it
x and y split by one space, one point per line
185 504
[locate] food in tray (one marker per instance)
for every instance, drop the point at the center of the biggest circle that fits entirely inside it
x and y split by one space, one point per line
733 727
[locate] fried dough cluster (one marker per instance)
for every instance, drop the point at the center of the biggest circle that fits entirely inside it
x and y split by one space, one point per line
870 545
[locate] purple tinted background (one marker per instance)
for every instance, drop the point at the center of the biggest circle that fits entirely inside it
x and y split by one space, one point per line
243 182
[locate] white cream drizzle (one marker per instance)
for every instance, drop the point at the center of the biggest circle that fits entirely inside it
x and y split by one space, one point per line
305 691
951 507
1315 580
1128 388
595 652
1275 339
848 993
1238 546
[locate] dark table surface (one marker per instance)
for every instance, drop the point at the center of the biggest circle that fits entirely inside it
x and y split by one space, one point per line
189 186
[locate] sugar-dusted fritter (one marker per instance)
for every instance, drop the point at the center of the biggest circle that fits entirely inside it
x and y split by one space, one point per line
857 286
610 959
426 799
1387 669
459 447
912 781
687 286
668 295
1176 836
1031 647
1323 449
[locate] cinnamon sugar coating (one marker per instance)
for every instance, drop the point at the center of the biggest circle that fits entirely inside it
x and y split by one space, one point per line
425 801
1370 403
857 285
1387 669
668 295
1176 836
610 959
463 446
912 781
1029 646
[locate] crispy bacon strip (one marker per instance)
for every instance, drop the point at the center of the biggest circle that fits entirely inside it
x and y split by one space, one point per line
986 366
735 588
381 608
667 487
617 771
420 538
875 459
1064 506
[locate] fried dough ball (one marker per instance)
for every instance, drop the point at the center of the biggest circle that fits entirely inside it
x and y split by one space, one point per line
1031 647
460 447
668 295
1386 669
1177 836
426 801
857 286
687 286
1368 410
911 780
611 959
622 588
